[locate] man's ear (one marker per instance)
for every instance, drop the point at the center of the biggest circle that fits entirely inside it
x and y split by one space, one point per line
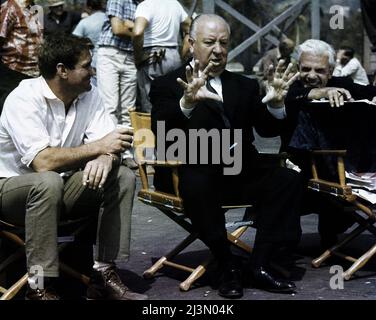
331 69
191 42
61 71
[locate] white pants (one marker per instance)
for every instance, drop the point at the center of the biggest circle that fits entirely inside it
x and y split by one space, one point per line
117 82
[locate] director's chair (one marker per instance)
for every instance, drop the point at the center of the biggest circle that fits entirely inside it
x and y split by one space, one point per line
171 204
363 212
14 234
341 139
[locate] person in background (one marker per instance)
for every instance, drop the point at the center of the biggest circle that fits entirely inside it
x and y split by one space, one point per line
91 27
20 37
116 70
349 66
272 57
58 19
158 24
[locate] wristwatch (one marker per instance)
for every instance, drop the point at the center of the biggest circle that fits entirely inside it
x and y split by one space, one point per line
113 157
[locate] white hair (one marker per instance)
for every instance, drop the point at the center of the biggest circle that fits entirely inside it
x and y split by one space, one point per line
317 47
207 16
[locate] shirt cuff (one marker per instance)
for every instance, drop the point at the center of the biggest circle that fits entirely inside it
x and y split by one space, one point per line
187 112
278 113
28 158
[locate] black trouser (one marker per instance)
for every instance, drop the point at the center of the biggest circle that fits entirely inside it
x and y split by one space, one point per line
9 80
275 192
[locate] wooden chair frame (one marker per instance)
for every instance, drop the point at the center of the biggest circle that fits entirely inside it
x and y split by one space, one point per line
172 204
344 192
11 232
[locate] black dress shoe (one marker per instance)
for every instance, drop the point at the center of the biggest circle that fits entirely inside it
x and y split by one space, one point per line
262 279
230 286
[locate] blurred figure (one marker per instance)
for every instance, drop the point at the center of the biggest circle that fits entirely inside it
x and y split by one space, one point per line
91 27
58 19
349 66
20 37
116 71
272 57
155 42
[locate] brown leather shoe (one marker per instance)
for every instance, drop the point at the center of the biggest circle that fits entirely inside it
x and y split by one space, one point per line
107 285
41 294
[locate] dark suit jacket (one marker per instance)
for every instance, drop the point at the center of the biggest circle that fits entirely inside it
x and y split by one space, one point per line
296 99
331 128
242 107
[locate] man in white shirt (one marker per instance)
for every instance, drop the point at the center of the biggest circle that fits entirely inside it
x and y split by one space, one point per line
349 66
51 127
155 42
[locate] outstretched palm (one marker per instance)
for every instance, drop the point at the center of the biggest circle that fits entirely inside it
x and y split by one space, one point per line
195 88
278 84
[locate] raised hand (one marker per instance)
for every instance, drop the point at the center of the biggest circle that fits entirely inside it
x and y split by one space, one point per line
278 84
195 87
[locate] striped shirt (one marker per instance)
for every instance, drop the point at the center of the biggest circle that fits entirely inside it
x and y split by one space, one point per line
22 35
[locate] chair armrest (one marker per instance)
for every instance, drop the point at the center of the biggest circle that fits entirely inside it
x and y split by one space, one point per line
159 163
329 152
320 185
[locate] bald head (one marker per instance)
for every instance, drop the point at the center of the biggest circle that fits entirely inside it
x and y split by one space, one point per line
209 42
203 19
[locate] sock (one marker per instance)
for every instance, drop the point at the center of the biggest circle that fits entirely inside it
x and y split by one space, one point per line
102 266
40 282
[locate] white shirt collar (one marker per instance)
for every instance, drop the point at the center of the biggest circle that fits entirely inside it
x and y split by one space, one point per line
49 94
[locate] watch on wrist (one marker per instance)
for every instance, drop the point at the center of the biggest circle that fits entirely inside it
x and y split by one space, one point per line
113 157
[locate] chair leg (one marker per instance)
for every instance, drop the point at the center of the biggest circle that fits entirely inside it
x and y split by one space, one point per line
234 236
149 273
328 253
196 274
13 290
201 269
359 263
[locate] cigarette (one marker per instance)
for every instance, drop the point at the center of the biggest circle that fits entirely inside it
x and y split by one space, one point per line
233 146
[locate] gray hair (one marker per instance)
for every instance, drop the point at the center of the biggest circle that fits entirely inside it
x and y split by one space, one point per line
208 16
317 47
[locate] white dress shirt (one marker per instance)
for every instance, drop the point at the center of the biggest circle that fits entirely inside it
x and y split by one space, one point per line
353 69
33 119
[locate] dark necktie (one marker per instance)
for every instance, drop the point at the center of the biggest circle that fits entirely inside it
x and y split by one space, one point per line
218 104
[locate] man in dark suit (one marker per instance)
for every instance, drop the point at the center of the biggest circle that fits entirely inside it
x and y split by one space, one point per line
203 95
316 60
